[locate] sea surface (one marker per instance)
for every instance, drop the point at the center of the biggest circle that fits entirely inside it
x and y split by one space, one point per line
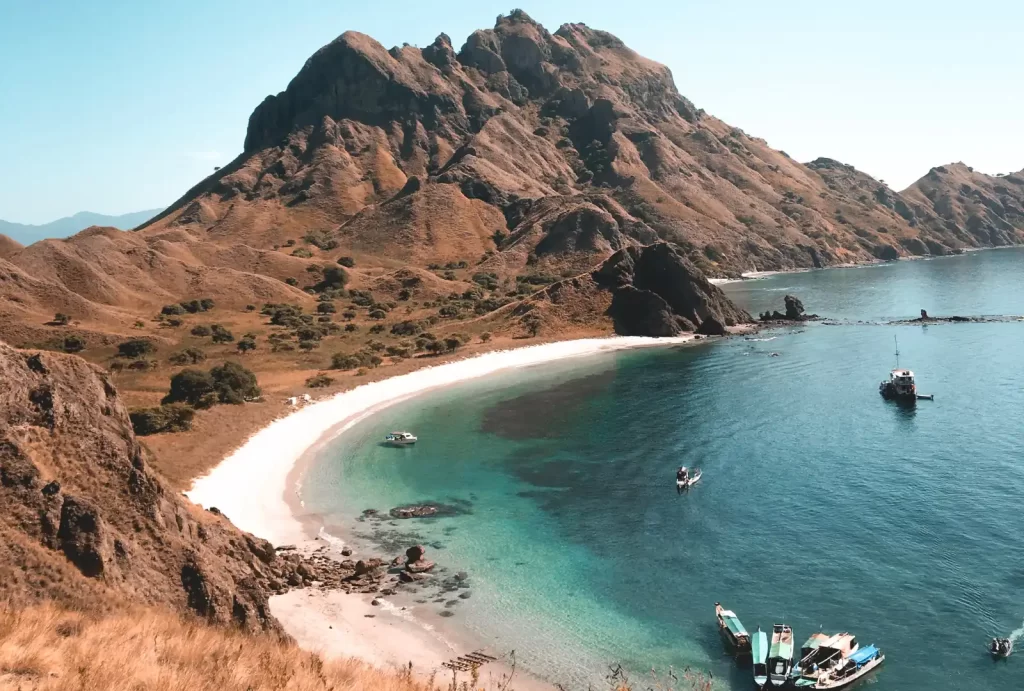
821 506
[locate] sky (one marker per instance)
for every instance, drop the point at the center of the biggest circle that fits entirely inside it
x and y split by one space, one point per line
114 106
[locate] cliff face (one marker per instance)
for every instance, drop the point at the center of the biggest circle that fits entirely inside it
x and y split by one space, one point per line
522 133
86 522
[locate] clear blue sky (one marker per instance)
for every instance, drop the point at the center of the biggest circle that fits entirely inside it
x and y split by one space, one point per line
116 106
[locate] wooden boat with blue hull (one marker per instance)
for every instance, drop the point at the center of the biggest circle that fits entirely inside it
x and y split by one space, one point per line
852 669
759 655
780 656
732 630
821 655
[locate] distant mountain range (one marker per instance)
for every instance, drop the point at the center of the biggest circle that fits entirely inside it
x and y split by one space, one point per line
63 227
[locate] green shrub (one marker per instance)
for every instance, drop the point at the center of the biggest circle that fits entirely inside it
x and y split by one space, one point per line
61 319
250 308
246 344
291 281
347 262
488 280
221 334
135 348
346 361
189 356
485 336
234 383
302 253
200 330
334 278
351 328
319 381
174 417
405 328
377 329
192 386
321 239
73 344
326 308
172 309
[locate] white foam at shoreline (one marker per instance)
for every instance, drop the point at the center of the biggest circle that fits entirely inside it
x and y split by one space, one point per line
249 486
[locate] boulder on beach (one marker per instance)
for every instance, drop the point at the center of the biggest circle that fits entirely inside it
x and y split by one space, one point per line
414 511
794 308
415 553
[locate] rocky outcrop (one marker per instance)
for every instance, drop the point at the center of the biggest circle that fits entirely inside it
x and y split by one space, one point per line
87 522
794 312
656 291
416 560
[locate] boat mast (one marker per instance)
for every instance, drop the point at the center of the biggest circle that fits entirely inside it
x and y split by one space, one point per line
897 351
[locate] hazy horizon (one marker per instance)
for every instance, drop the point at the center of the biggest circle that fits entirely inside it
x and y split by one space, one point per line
122 107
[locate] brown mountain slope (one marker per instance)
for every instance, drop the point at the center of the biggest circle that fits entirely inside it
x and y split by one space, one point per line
423 154
976 208
8 246
86 522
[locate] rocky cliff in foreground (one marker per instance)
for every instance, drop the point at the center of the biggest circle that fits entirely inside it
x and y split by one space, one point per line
87 523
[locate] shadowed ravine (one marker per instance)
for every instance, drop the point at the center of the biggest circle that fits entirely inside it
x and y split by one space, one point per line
821 503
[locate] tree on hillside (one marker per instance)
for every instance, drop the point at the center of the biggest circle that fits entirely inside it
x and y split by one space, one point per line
191 386
234 383
73 344
135 348
61 319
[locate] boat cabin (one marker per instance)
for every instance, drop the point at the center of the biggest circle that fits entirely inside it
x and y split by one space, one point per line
830 651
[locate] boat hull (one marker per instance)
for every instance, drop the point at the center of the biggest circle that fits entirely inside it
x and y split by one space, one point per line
691 482
846 681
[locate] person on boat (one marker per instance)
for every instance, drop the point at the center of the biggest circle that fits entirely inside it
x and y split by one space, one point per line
682 475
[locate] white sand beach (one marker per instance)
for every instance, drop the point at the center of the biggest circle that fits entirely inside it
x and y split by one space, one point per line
254 488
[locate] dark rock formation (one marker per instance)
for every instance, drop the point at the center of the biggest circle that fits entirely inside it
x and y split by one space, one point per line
656 291
413 511
794 312
711 327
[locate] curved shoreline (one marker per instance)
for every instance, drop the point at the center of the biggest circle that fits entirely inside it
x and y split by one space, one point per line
256 487
251 486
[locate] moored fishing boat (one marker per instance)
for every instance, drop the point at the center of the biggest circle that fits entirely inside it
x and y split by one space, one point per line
780 657
400 439
759 654
822 654
732 630
901 385
855 667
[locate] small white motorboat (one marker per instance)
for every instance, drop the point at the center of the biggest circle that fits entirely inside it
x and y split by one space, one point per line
400 439
692 479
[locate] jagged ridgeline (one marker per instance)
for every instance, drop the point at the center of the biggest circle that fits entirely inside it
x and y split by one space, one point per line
555 150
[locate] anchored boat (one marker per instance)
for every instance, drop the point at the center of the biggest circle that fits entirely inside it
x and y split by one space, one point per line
691 478
854 667
400 439
759 653
1001 647
732 630
780 657
821 655
900 385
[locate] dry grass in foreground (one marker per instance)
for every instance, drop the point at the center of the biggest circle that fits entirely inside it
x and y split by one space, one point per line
48 648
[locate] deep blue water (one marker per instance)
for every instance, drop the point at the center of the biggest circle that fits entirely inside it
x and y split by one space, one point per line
821 504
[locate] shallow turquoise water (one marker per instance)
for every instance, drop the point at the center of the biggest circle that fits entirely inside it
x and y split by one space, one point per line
821 505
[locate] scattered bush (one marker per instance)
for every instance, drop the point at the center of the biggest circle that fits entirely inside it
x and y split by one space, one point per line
351 328
404 294
172 309
398 351
326 308
61 319
220 334
377 329
201 330
308 345
302 253
189 356
345 361
174 417
405 328
250 308
348 314
173 322
234 384
291 281
449 311
289 243
319 381
73 344
192 386
135 348
485 336
377 314
246 344
486 279
320 239
334 278
347 262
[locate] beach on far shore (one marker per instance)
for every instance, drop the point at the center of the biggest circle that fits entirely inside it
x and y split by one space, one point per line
256 487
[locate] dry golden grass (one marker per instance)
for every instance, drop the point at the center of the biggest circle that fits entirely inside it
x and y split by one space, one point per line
48 648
